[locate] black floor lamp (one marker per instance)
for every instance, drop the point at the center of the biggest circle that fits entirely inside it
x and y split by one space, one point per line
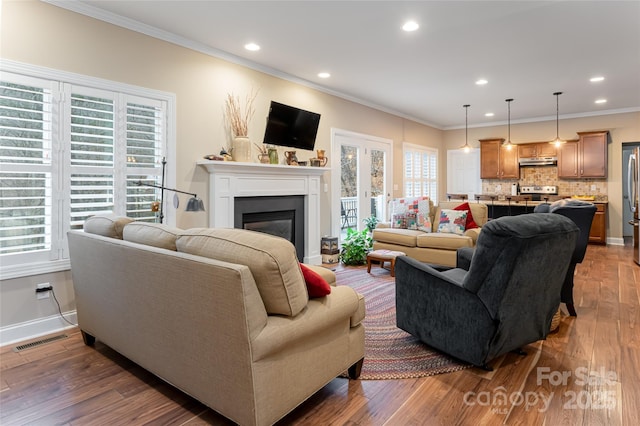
194 204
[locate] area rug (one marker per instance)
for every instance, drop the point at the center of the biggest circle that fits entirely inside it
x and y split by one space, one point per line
390 353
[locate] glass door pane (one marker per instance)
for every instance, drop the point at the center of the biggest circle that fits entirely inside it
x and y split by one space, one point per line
349 187
378 188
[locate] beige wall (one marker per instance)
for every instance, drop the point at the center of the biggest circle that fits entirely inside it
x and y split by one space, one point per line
37 33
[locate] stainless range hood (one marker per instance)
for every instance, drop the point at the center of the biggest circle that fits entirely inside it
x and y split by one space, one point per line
538 161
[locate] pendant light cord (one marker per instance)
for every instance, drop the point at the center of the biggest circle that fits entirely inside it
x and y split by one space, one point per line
466 125
509 120
557 94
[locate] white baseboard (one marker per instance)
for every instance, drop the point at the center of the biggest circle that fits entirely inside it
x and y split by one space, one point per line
615 241
36 328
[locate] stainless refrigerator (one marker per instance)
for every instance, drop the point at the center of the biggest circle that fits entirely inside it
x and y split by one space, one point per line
633 174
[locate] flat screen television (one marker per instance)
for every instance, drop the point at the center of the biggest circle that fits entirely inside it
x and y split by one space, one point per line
290 126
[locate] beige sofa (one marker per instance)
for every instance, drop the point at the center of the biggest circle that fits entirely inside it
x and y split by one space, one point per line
434 247
244 340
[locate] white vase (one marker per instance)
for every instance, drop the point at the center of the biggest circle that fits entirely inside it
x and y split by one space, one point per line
241 149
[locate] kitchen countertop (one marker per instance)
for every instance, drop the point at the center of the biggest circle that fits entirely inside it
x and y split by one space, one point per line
520 200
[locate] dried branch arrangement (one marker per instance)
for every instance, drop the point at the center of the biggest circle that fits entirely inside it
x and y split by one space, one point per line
238 120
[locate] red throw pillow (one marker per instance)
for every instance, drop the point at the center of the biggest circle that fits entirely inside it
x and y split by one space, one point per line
470 222
316 285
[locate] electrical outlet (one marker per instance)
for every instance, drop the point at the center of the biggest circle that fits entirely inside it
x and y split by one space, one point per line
43 294
498 187
593 187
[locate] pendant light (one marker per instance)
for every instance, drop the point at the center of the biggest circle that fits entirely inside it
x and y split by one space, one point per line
466 147
508 143
558 141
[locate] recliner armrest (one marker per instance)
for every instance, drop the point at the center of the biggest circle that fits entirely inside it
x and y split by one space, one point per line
463 257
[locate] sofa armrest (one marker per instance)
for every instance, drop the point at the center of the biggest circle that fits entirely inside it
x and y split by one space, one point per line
282 332
383 225
473 234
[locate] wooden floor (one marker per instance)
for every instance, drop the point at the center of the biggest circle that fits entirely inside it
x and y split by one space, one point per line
586 374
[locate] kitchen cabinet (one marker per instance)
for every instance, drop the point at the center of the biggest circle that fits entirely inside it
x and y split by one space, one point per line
536 150
598 232
498 162
585 158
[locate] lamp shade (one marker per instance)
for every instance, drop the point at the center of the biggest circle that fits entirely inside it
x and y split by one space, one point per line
195 204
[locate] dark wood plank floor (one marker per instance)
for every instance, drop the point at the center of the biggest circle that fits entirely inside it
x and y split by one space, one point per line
586 374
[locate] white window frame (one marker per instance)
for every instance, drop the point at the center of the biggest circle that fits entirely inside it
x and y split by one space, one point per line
431 182
56 259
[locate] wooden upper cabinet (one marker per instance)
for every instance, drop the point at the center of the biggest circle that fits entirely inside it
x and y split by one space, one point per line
592 155
546 149
497 162
509 166
584 158
536 150
568 160
527 150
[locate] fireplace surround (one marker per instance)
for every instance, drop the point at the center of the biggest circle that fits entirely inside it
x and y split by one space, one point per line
229 180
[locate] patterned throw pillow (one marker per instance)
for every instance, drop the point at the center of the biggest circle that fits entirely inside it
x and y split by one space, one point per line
405 220
471 224
424 223
410 213
452 221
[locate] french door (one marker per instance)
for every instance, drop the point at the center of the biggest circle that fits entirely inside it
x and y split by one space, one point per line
361 179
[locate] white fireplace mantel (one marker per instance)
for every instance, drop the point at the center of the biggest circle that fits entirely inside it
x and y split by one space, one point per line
228 179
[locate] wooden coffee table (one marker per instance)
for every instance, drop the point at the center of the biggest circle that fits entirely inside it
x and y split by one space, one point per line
382 256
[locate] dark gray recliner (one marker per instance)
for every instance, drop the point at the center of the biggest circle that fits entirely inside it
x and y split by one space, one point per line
581 213
505 300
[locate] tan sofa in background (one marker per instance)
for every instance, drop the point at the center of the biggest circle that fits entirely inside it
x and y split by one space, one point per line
434 247
244 340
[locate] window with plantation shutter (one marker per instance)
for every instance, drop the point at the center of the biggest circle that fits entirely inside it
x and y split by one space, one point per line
69 151
26 169
420 171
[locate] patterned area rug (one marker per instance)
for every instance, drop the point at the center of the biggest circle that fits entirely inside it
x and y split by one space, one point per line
390 353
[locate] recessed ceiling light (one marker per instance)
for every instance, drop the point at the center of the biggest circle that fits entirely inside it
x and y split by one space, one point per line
324 75
410 26
601 101
252 47
489 114
596 79
481 82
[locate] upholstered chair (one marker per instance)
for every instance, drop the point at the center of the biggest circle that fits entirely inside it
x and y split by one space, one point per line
504 299
581 213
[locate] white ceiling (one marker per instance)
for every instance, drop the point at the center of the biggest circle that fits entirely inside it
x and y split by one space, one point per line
527 50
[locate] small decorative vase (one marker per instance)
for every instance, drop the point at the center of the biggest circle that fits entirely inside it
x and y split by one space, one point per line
241 149
264 158
273 156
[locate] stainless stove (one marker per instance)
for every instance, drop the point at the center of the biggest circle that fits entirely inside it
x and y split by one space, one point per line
538 192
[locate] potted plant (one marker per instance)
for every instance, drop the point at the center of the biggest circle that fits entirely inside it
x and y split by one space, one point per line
355 247
239 124
371 222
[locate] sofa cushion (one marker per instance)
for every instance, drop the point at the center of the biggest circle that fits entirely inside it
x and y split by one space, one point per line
316 285
272 261
444 241
471 224
107 225
403 237
452 221
151 234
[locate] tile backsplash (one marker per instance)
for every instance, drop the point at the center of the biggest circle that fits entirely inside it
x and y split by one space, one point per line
548 175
